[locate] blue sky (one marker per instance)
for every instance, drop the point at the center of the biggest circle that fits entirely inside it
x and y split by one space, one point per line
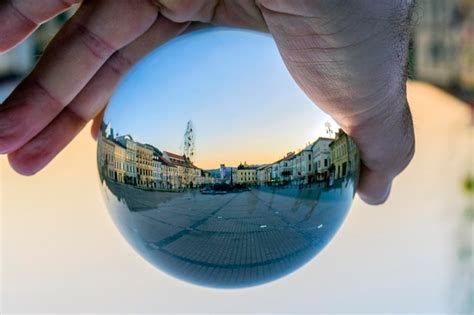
232 84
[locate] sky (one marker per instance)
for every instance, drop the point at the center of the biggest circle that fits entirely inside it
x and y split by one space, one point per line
232 85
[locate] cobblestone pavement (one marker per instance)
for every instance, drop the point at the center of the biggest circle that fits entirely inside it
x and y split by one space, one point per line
231 240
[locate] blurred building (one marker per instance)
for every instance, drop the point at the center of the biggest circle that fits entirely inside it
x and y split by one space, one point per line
443 43
222 171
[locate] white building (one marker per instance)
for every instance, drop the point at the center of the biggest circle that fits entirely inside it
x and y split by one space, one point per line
321 158
245 174
275 175
157 171
303 165
286 167
264 174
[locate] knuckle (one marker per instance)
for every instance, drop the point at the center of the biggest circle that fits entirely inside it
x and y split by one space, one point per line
119 63
76 115
94 43
22 16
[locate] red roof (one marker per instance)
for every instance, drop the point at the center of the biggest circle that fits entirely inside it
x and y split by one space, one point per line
165 161
174 156
181 160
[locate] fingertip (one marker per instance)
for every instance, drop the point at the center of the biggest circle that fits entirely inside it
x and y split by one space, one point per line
94 133
22 164
374 187
95 128
97 123
375 198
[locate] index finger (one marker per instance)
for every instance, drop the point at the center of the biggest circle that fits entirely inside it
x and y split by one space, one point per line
19 18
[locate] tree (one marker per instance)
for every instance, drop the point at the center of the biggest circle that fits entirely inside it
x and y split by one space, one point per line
188 141
329 130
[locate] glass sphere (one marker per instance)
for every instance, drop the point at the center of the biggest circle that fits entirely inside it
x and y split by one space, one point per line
217 168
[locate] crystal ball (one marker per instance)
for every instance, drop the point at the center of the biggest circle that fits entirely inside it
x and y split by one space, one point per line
217 168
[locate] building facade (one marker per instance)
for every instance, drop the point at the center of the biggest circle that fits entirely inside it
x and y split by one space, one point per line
321 158
286 168
144 166
188 175
264 174
245 175
344 155
106 158
131 175
303 166
120 153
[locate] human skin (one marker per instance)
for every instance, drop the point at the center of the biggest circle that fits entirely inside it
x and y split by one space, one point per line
348 56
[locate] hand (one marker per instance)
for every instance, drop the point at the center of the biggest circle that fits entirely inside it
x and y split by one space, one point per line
349 57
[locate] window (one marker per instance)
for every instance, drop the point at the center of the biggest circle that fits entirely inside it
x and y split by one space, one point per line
325 162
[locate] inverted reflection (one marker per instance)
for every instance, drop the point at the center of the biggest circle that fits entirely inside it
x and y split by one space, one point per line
229 202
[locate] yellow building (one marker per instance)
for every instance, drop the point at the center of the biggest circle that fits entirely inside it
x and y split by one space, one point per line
144 166
245 175
344 155
130 160
120 155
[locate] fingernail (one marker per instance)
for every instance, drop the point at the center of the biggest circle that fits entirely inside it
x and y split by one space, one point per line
382 198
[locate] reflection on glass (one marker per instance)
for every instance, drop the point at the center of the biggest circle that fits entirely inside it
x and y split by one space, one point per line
201 171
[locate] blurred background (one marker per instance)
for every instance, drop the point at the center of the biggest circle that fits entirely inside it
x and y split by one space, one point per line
61 253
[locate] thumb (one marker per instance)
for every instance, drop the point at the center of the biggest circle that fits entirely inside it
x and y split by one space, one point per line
374 186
